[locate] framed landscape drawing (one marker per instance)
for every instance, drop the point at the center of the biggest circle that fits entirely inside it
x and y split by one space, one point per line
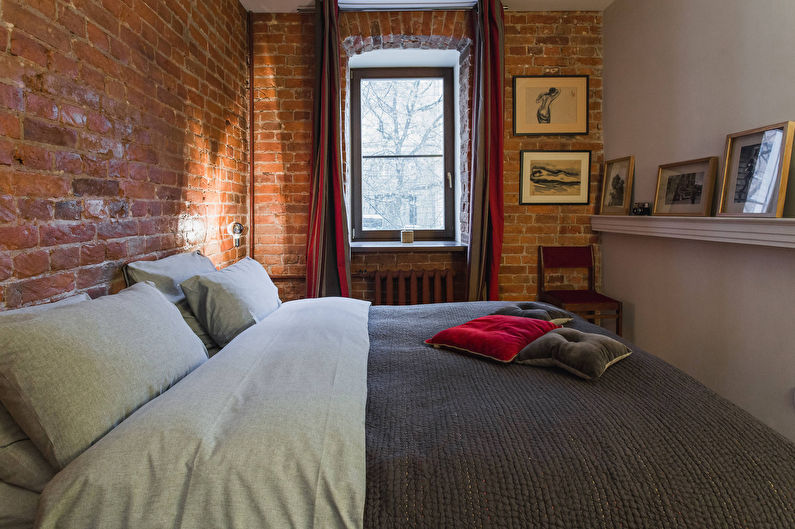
756 171
554 177
550 104
685 188
617 186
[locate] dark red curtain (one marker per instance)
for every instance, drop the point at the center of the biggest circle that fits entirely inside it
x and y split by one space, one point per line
327 246
486 205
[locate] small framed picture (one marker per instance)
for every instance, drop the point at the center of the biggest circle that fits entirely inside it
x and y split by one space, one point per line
617 186
554 177
756 171
550 104
685 188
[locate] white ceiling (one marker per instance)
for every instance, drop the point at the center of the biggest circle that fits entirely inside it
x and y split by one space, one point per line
291 6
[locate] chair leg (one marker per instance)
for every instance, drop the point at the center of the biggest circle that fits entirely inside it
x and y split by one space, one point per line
619 318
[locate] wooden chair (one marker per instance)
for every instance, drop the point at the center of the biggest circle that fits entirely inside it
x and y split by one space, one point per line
589 303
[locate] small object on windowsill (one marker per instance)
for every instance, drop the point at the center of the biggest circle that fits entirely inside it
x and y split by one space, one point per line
407 236
641 209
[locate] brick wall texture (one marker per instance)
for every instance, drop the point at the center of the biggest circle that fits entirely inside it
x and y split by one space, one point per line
121 122
560 43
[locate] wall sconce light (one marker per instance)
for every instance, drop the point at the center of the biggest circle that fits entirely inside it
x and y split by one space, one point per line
193 229
235 229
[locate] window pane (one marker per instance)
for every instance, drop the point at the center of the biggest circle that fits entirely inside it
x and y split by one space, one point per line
402 116
403 193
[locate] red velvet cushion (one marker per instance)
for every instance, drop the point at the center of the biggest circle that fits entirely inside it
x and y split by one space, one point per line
496 336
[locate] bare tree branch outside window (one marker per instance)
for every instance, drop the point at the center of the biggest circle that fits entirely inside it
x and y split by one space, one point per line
402 131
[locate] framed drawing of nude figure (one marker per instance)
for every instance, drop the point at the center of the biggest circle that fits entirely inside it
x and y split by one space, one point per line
550 104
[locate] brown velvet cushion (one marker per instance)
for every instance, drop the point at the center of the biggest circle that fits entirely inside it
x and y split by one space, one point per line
583 354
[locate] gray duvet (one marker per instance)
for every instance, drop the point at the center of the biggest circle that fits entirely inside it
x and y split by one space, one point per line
269 433
460 441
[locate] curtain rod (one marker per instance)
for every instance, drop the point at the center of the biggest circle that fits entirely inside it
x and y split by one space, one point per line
376 10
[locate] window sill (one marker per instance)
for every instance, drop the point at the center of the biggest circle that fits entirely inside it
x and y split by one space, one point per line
756 231
417 246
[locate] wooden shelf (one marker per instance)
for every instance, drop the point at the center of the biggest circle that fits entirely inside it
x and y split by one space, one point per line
756 231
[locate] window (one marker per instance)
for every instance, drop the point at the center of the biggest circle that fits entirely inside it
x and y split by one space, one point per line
402 161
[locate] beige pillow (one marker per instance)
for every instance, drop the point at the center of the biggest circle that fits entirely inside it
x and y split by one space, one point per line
68 376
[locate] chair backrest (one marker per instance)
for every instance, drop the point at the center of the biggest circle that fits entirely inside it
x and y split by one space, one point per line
565 257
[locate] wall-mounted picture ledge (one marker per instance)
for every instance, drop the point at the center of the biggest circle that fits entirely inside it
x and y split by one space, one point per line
756 231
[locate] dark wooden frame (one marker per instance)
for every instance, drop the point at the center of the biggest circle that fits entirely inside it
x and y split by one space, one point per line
552 133
357 74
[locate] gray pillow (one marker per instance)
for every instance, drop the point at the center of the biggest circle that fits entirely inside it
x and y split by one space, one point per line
21 464
586 355
71 300
169 272
17 507
231 300
166 274
197 328
68 376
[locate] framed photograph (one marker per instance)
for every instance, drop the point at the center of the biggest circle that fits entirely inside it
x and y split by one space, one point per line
685 188
554 177
617 186
550 104
756 171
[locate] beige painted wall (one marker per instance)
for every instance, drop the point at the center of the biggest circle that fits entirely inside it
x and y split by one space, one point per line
679 76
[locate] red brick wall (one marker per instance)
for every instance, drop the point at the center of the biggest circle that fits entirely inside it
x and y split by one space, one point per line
535 43
283 86
559 43
117 119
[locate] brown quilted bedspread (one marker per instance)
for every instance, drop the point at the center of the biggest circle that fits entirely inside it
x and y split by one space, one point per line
458 441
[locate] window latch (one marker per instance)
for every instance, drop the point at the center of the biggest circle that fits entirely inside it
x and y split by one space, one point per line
449 179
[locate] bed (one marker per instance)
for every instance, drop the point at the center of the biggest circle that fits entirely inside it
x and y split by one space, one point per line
334 413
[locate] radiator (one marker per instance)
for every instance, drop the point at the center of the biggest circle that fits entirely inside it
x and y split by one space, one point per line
413 287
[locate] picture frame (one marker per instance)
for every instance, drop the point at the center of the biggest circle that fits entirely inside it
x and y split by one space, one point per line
550 104
554 177
617 182
685 188
756 169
